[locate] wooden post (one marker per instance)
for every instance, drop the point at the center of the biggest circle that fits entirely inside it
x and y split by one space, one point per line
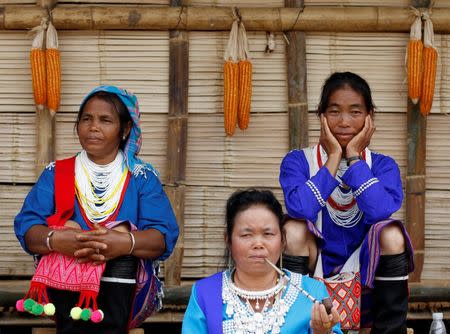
415 185
415 178
45 123
177 142
296 75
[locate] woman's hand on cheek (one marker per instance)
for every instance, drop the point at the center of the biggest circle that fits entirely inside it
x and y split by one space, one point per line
327 140
362 139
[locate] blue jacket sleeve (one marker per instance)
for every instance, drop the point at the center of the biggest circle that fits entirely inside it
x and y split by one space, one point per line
156 212
194 321
378 191
37 206
304 196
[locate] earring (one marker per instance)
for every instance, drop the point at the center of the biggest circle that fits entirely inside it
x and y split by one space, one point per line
281 261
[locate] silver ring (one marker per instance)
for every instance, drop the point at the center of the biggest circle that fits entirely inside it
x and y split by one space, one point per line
97 251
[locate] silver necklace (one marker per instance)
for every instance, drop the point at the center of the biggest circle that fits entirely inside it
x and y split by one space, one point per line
243 319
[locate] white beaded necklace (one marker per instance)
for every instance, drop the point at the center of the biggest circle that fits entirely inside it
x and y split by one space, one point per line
346 218
99 187
243 319
351 216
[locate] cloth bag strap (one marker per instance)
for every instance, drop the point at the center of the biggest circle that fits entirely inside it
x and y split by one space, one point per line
64 192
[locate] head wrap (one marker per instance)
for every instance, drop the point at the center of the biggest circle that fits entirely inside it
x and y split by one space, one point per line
134 141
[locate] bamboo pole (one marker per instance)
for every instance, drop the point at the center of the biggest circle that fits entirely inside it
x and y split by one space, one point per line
296 80
415 178
177 142
319 18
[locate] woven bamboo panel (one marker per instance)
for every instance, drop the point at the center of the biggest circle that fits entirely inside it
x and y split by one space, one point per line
18 141
15 78
13 260
247 159
206 73
154 129
438 152
437 236
379 58
134 60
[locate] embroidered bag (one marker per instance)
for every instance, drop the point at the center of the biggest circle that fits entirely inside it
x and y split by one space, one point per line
345 292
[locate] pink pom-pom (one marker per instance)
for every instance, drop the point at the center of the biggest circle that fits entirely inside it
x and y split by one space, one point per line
19 305
97 316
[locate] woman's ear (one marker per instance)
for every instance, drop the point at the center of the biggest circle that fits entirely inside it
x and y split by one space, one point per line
127 129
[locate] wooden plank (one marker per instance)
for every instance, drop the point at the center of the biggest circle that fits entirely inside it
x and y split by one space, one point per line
177 142
297 84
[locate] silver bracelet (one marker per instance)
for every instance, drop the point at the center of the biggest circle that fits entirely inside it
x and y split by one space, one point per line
133 243
47 240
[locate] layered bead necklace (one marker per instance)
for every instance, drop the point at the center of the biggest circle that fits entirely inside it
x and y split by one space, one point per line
244 319
341 205
99 187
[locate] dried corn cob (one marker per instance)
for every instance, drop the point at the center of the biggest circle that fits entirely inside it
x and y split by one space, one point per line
53 66
414 61
245 80
430 56
38 72
231 82
230 96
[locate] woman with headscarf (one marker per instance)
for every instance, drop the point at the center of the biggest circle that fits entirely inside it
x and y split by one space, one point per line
99 222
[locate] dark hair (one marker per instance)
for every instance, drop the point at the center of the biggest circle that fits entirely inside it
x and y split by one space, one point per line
339 80
119 107
241 200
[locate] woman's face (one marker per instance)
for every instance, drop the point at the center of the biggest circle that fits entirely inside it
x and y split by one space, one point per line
345 114
99 130
256 235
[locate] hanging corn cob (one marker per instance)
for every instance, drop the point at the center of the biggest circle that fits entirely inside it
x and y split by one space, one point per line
231 82
414 60
245 79
53 66
37 61
429 67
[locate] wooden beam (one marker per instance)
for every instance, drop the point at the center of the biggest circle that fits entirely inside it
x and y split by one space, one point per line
415 178
177 142
296 80
312 18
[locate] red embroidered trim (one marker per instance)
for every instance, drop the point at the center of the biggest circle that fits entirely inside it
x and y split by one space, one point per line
331 201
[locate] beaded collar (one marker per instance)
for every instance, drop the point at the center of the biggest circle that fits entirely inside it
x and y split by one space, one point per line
243 319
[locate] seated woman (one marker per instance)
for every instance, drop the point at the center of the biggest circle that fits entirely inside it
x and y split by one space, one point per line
252 297
113 222
342 195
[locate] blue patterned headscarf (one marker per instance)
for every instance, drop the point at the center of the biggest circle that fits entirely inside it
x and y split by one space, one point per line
134 141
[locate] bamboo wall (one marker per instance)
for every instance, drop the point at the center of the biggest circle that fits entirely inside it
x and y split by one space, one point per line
217 165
